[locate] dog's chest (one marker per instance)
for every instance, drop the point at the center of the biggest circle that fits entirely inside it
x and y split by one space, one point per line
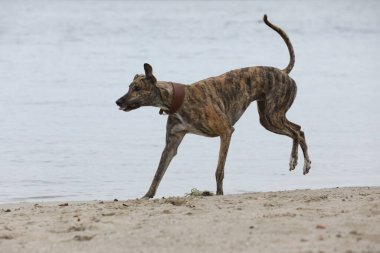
186 126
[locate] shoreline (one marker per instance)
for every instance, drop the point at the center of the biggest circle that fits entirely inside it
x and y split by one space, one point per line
343 219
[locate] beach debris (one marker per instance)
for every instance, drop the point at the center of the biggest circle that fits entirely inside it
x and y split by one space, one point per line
7 210
251 227
108 214
125 205
6 237
101 202
7 228
95 219
83 237
76 228
319 226
315 198
354 232
115 200
176 201
64 204
195 192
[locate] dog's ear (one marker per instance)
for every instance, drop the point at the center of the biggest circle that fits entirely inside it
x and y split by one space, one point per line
148 70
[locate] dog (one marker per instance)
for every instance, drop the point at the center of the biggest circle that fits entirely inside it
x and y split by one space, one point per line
212 106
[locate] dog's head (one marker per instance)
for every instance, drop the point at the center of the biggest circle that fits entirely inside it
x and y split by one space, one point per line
142 91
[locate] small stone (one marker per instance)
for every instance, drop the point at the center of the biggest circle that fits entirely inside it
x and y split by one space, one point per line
319 226
115 200
64 204
251 227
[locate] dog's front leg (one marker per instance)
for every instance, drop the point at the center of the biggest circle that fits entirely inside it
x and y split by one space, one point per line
172 142
219 174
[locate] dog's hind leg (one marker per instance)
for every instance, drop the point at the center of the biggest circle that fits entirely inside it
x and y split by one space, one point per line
278 128
293 128
302 142
276 121
172 142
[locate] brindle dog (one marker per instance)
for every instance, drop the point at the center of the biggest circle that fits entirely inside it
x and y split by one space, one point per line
212 106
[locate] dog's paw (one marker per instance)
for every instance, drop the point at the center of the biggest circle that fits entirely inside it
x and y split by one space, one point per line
306 167
292 163
147 196
219 192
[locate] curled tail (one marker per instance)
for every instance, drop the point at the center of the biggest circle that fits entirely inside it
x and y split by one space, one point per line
287 41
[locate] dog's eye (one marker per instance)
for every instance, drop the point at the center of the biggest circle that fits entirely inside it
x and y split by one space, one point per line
137 88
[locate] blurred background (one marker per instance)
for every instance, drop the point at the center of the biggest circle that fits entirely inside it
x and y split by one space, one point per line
64 63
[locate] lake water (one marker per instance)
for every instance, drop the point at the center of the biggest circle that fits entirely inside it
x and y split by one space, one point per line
64 63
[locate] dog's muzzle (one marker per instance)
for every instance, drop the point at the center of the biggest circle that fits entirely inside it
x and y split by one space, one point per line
126 106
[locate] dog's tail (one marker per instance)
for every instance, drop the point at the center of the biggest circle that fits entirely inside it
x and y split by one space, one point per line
287 41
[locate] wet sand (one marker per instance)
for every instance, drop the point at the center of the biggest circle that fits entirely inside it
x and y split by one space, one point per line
326 220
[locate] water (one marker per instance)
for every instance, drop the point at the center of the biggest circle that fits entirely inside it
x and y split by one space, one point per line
64 63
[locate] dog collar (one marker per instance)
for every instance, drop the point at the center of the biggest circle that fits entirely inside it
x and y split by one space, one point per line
177 100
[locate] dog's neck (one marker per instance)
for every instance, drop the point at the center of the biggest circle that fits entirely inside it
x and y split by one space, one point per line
166 95
172 96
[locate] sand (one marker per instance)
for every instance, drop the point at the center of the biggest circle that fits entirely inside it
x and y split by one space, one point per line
326 220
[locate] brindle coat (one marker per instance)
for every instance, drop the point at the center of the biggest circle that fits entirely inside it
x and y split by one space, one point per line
212 106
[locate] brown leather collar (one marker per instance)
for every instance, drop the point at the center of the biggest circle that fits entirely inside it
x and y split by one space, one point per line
177 100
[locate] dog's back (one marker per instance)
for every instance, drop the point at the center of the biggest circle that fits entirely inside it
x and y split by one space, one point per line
233 91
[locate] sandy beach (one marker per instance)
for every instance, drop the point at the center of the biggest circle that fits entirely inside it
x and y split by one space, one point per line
326 220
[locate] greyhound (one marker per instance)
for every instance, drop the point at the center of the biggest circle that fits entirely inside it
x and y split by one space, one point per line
212 106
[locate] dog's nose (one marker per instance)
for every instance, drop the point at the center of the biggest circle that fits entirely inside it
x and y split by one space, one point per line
118 102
